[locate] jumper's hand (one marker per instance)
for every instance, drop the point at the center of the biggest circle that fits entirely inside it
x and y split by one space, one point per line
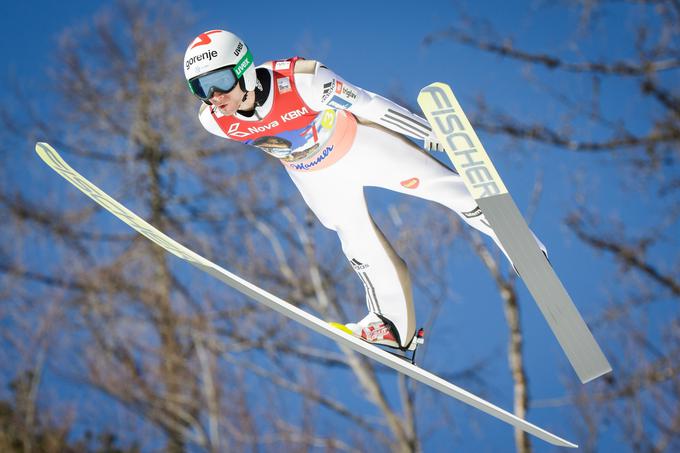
431 143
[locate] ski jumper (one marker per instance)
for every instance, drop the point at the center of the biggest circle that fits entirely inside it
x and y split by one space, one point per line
334 139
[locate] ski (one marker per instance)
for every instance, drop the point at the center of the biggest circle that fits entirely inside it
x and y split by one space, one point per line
467 153
54 160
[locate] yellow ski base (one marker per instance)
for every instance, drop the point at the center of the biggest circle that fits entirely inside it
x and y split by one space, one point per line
342 327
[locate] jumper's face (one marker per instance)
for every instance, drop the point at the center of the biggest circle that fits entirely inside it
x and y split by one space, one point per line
227 103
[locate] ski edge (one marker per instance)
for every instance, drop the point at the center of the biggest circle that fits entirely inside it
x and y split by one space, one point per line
52 158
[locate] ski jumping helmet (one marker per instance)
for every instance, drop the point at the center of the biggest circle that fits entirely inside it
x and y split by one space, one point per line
218 60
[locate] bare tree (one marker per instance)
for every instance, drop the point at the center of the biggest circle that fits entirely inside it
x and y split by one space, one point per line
640 318
199 365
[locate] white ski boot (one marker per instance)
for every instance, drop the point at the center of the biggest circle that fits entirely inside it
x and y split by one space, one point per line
381 332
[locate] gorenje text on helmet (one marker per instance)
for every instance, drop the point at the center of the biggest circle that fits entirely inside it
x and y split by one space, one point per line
209 55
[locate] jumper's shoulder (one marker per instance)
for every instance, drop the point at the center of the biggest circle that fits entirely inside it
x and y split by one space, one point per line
208 122
307 67
204 113
302 66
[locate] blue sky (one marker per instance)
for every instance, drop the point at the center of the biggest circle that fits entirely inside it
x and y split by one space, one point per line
378 46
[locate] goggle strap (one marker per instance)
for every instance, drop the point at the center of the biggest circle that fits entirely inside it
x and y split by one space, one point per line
243 64
191 88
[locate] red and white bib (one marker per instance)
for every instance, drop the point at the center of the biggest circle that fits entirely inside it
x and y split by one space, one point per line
304 139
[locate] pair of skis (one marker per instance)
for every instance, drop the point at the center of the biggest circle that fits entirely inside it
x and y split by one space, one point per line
453 130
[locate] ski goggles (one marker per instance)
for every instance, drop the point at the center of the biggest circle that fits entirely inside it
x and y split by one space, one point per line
222 79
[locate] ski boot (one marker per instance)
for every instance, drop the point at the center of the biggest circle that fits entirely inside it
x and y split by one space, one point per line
383 333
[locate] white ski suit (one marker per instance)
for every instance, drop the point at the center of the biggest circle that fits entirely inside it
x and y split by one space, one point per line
334 139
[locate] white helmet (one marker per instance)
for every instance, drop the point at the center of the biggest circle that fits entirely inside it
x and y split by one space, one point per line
217 49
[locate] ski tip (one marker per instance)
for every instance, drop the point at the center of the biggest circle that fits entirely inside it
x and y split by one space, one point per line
433 85
342 327
42 148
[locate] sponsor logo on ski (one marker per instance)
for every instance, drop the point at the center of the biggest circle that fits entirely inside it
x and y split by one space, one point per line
472 160
209 55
